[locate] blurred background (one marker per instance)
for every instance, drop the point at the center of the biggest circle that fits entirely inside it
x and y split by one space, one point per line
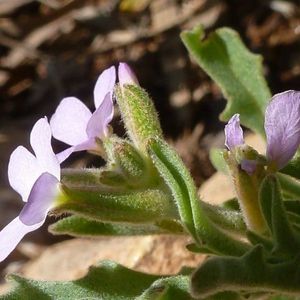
50 49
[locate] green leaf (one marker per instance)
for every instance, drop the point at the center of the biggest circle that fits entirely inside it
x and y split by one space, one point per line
78 226
293 167
286 239
190 209
117 205
249 273
232 204
217 159
290 186
175 287
229 219
199 249
257 239
238 72
106 281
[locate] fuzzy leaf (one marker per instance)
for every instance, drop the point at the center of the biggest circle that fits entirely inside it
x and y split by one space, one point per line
108 281
184 192
290 186
293 167
78 226
229 219
285 238
117 205
237 71
249 273
217 159
175 287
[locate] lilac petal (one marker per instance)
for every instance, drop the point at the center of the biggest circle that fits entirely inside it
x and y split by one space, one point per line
68 124
63 155
97 125
23 171
249 165
105 84
282 126
40 140
90 144
234 133
32 216
126 75
11 235
40 200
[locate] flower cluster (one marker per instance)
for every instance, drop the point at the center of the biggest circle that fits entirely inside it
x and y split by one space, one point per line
37 177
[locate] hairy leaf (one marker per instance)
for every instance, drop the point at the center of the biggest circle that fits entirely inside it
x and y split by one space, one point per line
117 204
286 239
175 287
191 212
217 159
78 226
108 281
293 167
249 273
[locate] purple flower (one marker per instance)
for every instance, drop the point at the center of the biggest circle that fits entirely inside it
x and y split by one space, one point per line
74 124
234 135
36 178
126 75
282 126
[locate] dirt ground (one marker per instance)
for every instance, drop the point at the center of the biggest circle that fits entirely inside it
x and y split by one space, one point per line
50 49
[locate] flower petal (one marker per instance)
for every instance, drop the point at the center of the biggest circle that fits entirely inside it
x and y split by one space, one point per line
32 216
126 75
40 140
97 125
234 133
23 171
90 144
282 126
40 200
105 84
11 235
68 124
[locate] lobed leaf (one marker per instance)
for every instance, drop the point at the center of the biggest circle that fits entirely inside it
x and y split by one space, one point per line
250 273
238 72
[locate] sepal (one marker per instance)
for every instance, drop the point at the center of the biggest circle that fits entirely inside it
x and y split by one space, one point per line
138 113
128 162
246 186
